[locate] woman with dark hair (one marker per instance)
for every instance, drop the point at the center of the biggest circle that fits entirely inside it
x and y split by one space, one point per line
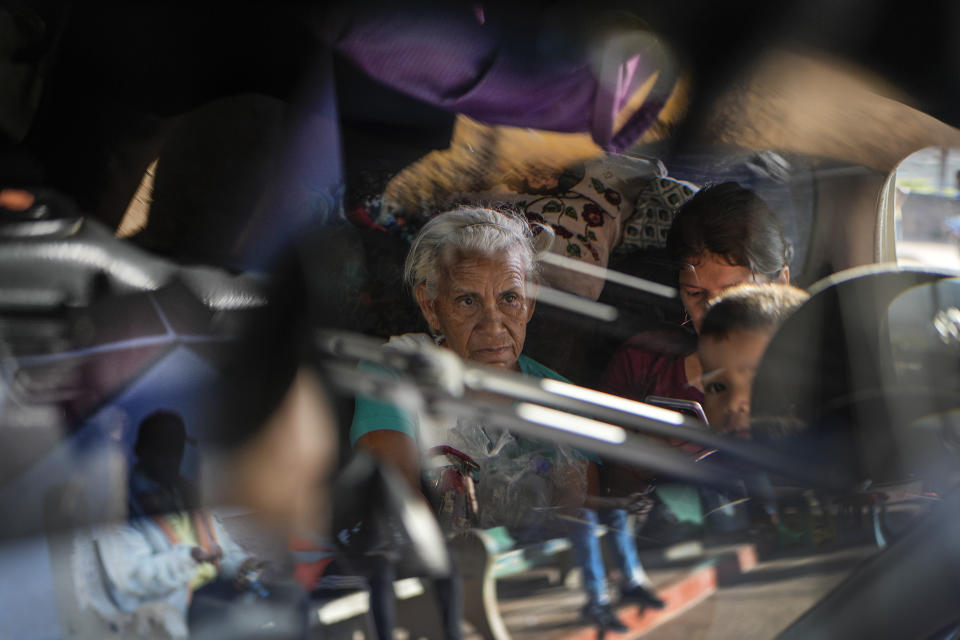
724 236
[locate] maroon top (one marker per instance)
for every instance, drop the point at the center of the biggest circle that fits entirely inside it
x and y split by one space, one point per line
648 364
651 364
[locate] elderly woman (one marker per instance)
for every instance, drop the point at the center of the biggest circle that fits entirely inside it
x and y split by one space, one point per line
470 271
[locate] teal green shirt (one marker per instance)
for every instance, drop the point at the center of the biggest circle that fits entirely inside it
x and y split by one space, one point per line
372 414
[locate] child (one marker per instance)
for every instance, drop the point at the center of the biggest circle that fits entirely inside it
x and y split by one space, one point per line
735 333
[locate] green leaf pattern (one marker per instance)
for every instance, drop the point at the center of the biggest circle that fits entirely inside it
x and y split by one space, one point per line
553 206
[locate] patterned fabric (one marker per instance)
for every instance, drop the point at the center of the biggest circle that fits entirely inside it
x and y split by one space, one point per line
586 207
609 203
656 207
581 215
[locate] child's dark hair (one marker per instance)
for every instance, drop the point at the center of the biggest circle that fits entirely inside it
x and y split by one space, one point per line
751 307
733 222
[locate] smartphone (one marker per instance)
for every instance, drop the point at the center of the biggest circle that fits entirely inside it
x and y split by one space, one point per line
691 408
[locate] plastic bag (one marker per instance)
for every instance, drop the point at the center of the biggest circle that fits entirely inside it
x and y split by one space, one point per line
519 480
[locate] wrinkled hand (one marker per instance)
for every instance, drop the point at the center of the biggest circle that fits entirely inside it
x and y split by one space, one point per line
200 554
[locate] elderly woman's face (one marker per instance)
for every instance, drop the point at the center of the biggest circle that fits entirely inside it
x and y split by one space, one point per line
481 307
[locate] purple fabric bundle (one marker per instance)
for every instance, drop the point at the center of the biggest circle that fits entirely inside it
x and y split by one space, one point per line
451 58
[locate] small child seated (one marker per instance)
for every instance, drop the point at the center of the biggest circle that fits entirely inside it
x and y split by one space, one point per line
735 332
736 329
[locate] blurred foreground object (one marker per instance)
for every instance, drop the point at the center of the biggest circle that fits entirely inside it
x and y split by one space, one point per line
860 378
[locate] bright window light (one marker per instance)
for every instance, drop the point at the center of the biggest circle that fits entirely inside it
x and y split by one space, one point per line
571 423
611 401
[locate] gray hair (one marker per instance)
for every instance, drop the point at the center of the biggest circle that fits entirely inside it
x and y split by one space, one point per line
469 230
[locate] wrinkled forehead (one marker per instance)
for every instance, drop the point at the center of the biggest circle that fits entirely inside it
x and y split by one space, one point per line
462 268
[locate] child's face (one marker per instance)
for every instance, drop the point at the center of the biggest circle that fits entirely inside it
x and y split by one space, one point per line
729 365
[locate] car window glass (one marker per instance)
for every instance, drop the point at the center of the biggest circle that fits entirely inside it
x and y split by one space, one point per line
927 208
